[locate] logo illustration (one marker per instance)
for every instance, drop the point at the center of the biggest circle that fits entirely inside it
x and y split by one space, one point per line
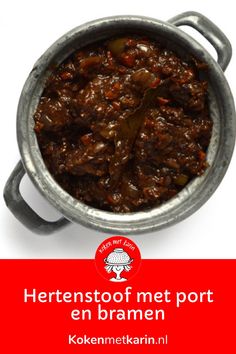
118 259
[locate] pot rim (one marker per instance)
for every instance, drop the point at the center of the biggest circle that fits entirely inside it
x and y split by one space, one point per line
196 193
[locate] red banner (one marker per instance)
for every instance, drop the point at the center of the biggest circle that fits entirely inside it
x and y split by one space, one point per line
66 306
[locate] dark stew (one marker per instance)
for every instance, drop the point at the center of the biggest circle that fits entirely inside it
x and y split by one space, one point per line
124 125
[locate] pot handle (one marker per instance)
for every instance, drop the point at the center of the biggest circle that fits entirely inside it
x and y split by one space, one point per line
210 31
22 211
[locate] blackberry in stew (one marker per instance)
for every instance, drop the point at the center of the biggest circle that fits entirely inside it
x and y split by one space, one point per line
124 125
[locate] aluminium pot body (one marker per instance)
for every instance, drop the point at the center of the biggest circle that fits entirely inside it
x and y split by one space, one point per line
196 193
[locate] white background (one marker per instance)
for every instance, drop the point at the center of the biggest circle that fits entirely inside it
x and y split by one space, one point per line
28 28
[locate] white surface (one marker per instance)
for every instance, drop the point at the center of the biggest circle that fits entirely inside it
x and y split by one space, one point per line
27 29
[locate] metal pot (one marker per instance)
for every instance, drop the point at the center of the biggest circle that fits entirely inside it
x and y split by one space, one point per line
190 198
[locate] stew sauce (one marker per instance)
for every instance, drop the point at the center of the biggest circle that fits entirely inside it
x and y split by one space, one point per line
124 125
